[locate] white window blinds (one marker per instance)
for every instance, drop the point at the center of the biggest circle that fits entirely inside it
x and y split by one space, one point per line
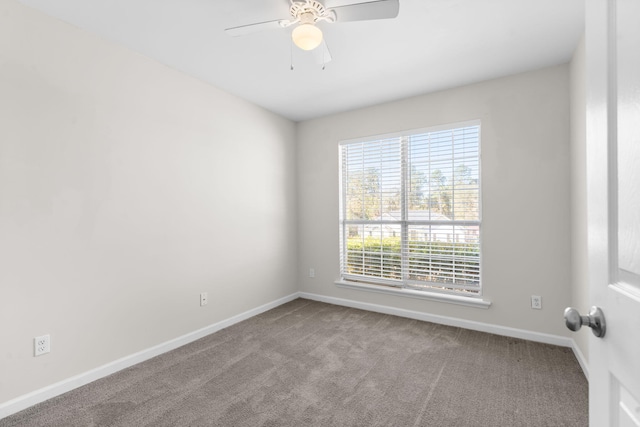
410 209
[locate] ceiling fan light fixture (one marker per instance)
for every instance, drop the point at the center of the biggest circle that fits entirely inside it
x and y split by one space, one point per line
307 36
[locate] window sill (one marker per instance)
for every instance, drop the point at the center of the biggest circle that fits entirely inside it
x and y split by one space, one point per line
409 293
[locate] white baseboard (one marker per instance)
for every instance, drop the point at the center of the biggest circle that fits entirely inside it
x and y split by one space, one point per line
22 402
444 320
581 359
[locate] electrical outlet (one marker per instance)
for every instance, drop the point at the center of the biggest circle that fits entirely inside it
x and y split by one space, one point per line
312 272
203 299
536 302
41 345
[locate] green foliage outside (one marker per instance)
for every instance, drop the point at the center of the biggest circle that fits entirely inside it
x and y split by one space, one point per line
367 199
439 262
363 198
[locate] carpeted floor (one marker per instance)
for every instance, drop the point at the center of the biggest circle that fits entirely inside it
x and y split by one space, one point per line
307 363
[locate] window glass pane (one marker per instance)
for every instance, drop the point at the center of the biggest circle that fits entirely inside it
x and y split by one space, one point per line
443 175
372 178
374 251
447 254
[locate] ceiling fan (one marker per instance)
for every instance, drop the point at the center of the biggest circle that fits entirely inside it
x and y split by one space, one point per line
305 14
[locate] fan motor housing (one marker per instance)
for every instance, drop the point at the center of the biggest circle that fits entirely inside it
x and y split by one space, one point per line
298 9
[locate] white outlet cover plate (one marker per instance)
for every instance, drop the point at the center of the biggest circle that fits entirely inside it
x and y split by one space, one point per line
536 302
41 345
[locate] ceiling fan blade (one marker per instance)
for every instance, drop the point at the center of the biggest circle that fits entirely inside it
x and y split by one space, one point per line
379 9
321 54
254 28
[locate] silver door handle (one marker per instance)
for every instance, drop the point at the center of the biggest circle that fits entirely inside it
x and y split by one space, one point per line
595 320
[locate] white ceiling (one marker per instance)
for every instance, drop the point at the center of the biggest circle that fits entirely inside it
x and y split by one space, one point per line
431 45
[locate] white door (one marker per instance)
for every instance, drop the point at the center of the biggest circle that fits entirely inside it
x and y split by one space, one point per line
613 212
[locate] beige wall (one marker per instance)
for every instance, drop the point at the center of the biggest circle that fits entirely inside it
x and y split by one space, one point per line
579 258
126 189
526 228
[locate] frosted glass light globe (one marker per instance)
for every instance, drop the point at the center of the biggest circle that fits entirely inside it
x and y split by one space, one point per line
307 36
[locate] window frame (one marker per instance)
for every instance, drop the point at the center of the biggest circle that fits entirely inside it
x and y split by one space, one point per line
410 287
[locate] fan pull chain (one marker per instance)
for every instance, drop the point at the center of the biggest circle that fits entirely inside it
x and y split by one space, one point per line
291 53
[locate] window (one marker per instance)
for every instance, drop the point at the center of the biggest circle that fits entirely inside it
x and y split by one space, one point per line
410 209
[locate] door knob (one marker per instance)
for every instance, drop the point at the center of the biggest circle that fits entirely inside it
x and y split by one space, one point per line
595 320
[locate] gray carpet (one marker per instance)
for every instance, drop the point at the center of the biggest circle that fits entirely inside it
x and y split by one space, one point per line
307 363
